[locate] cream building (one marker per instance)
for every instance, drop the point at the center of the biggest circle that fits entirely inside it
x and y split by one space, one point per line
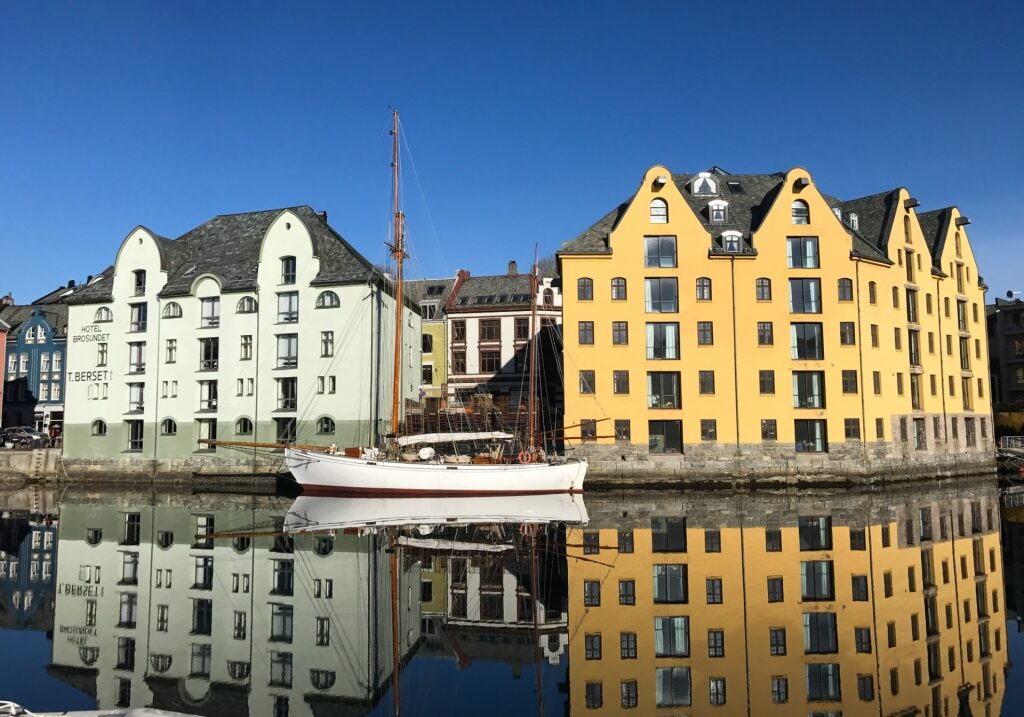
262 327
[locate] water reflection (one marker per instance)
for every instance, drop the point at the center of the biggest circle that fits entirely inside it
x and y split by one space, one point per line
880 604
802 602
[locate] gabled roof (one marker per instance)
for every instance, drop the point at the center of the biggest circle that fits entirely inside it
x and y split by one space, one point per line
56 315
875 216
935 227
430 290
594 239
228 248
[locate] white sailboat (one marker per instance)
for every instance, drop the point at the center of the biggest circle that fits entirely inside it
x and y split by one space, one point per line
329 473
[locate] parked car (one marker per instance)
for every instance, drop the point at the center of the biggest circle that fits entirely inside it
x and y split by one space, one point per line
25 436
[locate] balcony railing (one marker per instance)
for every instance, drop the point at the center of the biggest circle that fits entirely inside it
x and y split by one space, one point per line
137 368
210 321
208 404
208 365
286 404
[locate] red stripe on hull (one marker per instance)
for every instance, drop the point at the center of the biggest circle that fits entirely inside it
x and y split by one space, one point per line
329 490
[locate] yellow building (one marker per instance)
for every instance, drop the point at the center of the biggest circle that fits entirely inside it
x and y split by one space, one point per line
431 295
741 605
723 323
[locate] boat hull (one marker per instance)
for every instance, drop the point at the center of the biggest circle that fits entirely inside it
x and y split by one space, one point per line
324 474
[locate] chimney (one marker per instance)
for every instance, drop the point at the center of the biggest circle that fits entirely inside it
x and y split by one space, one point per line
513 269
71 283
323 215
7 301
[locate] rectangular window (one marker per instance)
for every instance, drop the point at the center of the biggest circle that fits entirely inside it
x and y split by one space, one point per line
670 584
202 616
663 389
587 381
592 647
671 637
287 350
659 252
662 340
849 381
629 693
594 696
620 333
862 639
802 252
138 318
490 329
769 429
240 626
772 540
627 592
625 541
808 389
777 641
705 333
820 635
661 296
805 296
627 646
765 333
823 682
706 382
866 688
490 361
816 580
847 333
620 382
775 591
585 333
712 541
716 643
860 588
591 593
622 430
326 344
708 429
806 341
665 436
323 631
811 436
713 587
716 686
288 307
780 690
815 533
851 427
766 382
672 686
459 331
668 535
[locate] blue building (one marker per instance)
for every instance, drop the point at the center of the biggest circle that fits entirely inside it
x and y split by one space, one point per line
28 569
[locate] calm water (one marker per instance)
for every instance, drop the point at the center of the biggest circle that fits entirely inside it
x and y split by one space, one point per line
897 601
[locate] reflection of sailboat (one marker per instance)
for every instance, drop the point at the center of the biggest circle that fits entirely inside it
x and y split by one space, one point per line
315 513
527 472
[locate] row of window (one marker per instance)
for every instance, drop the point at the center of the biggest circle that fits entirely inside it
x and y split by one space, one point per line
285 430
17 364
489 330
287 309
718 209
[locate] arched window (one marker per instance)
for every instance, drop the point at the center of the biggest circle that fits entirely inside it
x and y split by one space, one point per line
168 427
89 655
93 391
246 305
659 211
172 310
241 543
325 425
731 242
103 314
872 292
323 545
618 289
238 670
703 185
956 239
549 297
30 335
585 289
703 289
94 536
243 427
322 679
160 663
838 212
327 300
718 211
287 269
845 290
165 538
854 222
801 212
895 297
906 228
763 289
99 428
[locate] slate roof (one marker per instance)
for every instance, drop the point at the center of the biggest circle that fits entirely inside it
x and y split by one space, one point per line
228 246
55 314
935 226
484 292
747 207
420 290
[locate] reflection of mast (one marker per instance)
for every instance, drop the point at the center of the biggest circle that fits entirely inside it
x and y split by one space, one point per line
396 656
534 599
531 399
398 253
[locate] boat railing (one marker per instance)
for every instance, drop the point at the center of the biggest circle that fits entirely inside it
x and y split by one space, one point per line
1011 442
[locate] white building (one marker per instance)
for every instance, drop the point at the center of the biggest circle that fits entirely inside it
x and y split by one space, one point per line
264 327
153 610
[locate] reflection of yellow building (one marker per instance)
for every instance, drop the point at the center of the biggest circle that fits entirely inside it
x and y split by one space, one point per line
753 318
769 606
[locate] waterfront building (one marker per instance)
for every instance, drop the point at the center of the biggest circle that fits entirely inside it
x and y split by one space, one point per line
887 604
1005 319
489 332
4 329
431 295
155 608
36 349
263 327
751 324
28 553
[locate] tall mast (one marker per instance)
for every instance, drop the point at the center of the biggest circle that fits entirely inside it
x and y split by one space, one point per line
531 407
398 253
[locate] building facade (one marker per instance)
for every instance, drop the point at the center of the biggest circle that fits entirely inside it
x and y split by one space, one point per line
1006 353
731 324
28 553
885 605
153 609
431 295
489 333
36 348
259 327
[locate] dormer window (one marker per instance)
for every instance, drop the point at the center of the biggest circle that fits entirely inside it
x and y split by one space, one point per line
718 211
703 185
854 222
731 242
801 212
288 270
838 212
659 211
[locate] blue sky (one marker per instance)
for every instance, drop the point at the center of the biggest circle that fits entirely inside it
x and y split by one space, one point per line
526 121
